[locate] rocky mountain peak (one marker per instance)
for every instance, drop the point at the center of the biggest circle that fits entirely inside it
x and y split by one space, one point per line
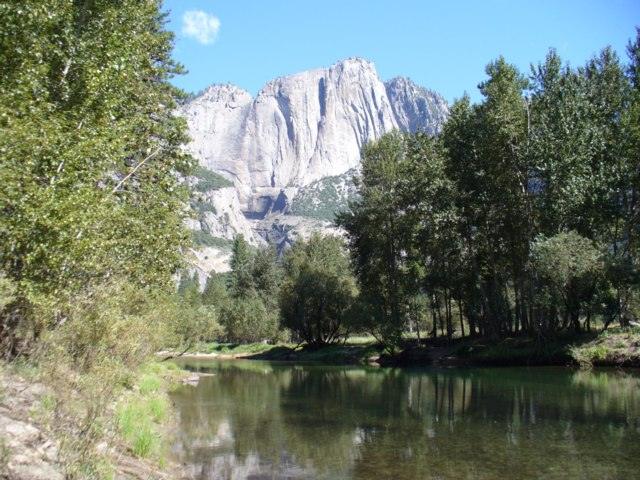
416 108
298 130
226 94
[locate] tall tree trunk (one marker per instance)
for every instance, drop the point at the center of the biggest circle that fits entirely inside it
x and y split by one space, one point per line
461 319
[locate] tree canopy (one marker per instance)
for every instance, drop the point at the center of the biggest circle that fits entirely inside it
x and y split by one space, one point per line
521 216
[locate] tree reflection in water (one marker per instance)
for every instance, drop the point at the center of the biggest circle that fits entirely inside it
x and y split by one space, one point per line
260 420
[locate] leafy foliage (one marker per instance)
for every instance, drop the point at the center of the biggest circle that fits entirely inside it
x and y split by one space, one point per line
92 203
241 280
318 290
247 320
90 151
200 237
568 269
326 197
520 217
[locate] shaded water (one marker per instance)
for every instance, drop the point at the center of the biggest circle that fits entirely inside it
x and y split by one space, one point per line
259 420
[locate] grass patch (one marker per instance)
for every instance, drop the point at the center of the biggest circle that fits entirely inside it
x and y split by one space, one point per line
203 238
357 350
235 348
209 180
202 207
142 413
347 353
149 383
139 424
515 351
614 347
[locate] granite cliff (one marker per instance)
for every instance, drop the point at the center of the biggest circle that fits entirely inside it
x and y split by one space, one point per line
301 134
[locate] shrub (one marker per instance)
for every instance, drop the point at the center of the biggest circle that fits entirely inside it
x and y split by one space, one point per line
193 324
100 340
7 292
247 320
203 238
318 290
209 180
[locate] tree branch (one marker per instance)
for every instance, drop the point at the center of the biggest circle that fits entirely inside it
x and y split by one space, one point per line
135 169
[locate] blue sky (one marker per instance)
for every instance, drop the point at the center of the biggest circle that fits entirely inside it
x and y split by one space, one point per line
441 45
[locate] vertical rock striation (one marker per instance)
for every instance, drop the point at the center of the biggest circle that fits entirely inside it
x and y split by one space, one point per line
298 130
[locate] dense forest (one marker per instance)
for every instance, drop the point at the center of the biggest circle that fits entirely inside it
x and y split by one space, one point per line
521 217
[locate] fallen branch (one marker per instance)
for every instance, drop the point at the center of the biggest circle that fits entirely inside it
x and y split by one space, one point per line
173 355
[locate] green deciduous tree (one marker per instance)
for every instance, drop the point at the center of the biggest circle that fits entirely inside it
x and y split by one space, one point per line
568 269
90 157
248 320
378 230
318 290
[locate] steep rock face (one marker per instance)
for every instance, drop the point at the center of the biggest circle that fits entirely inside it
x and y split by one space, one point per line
225 219
292 151
319 121
416 108
303 127
215 119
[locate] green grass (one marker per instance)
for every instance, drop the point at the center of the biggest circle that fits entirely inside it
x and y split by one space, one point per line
202 207
234 348
613 347
142 413
149 383
516 351
361 340
209 180
139 422
158 408
356 350
357 353
206 239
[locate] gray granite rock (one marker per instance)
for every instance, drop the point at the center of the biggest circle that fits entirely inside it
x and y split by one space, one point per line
298 130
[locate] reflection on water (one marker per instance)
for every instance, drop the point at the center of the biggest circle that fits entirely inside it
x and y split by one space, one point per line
255 420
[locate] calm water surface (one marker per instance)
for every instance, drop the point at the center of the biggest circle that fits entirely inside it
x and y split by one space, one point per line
255 420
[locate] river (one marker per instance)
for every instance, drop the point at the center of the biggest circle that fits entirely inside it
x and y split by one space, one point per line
259 420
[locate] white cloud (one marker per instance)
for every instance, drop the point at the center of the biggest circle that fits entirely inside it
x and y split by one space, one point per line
201 26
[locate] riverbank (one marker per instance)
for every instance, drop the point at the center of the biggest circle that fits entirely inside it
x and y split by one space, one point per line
132 447
355 351
613 347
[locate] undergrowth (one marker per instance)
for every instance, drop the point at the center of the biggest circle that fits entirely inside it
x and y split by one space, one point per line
144 410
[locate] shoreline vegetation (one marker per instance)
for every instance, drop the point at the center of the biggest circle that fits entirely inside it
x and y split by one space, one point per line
612 348
134 441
